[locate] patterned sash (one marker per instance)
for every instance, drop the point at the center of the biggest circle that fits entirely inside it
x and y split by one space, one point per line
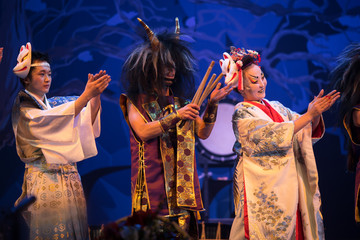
179 171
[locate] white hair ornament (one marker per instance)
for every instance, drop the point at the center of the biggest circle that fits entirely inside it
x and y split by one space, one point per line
23 65
232 65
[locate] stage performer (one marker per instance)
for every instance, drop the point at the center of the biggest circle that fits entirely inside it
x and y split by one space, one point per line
157 76
275 181
346 79
51 136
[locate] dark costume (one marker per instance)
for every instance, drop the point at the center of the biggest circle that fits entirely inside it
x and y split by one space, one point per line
163 169
346 79
354 154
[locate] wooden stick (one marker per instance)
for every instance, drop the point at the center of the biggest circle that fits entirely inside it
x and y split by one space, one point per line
217 80
202 84
210 89
205 93
186 124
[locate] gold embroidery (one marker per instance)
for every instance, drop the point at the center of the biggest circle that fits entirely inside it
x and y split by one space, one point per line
179 169
169 121
141 198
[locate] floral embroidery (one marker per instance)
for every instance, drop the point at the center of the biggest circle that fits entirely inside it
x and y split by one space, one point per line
263 144
266 211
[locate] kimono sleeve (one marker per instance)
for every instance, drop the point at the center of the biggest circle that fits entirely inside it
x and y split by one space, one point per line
62 137
259 135
316 134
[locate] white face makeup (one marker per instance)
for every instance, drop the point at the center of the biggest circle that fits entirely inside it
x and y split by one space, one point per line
254 83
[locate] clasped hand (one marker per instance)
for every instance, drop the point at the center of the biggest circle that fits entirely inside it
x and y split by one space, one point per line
97 83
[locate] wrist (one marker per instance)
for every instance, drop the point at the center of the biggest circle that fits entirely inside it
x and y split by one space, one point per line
213 102
169 121
210 112
87 97
309 116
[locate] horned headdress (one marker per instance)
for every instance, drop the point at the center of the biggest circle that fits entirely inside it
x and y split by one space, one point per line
143 71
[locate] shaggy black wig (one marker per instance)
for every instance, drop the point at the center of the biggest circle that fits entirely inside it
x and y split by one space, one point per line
143 71
346 79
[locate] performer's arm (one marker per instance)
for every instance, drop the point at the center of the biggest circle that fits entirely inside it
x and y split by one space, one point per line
316 107
94 87
149 130
96 101
144 130
205 125
315 122
95 107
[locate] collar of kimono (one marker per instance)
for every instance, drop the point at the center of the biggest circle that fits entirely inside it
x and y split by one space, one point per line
43 104
268 109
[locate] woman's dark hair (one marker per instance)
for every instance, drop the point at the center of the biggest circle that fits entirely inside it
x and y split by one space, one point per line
247 60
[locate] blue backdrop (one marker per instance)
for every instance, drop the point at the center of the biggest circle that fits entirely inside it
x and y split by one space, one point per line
298 41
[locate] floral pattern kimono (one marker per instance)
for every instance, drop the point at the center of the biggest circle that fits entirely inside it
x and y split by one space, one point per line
50 140
277 175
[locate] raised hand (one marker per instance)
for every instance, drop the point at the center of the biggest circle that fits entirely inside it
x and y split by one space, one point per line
97 84
322 103
219 94
333 96
99 74
190 111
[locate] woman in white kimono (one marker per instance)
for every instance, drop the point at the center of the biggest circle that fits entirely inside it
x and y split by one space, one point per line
51 136
275 181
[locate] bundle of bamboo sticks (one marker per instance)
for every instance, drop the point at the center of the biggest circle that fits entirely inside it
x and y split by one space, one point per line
201 93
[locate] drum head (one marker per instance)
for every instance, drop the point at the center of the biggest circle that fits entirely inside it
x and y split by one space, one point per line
218 146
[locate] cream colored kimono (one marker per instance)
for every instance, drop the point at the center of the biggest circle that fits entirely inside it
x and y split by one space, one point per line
279 173
50 141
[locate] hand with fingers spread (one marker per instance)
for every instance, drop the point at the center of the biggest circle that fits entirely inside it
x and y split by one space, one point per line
316 107
322 103
190 111
333 96
219 94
